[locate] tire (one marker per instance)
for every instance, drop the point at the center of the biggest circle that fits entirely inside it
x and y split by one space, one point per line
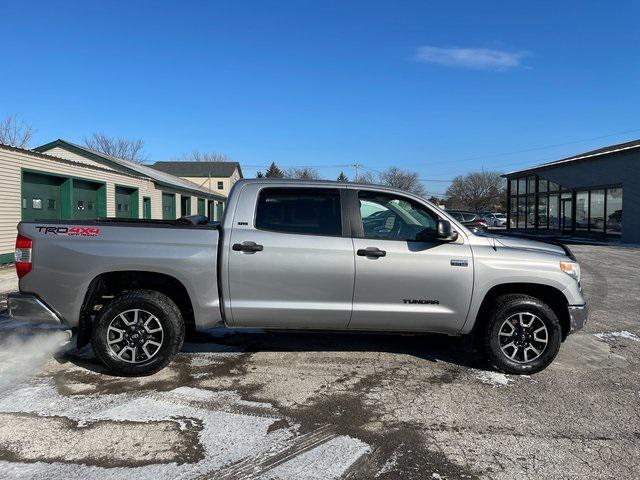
138 344
519 310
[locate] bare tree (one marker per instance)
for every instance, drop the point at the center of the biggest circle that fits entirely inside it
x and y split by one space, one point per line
127 149
402 179
476 191
198 156
302 173
365 178
15 132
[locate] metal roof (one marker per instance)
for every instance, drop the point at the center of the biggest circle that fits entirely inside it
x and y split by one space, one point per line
198 169
619 147
161 178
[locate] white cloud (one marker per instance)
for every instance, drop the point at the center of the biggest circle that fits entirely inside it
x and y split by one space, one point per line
477 58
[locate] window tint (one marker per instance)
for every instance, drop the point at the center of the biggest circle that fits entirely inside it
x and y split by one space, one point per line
389 217
314 211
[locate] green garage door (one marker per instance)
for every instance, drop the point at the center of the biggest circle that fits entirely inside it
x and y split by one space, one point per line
126 202
168 206
201 206
41 196
87 200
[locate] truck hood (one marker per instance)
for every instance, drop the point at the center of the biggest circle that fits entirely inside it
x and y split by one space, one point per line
526 244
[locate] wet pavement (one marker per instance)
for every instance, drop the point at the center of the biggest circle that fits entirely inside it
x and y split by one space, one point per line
293 406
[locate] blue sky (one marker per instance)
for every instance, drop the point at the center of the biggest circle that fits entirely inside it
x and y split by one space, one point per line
442 88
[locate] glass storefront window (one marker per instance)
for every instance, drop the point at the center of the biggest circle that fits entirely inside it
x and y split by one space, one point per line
543 201
553 187
522 211
531 184
522 186
531 211
582 211
513 211
614 211
542 185
514 186
596 215
554 212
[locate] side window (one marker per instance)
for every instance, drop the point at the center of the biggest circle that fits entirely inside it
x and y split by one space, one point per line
312 211
390 217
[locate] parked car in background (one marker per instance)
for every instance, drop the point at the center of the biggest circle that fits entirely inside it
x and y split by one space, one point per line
495 219
472 221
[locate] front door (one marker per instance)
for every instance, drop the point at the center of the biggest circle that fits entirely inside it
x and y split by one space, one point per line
403 283
291 267
567 215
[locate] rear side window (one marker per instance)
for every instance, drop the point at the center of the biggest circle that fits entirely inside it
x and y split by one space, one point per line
311 211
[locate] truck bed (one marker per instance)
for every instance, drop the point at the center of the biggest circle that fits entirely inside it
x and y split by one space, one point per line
69 255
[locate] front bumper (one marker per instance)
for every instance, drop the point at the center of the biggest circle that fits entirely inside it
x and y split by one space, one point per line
578 316
24 307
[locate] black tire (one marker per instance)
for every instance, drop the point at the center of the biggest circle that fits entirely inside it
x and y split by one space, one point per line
510 306
168 317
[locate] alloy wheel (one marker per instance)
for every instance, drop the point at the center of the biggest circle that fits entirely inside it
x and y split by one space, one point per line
135 336
523 337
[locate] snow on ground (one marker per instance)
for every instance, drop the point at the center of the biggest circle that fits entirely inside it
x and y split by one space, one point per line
620 334
495 379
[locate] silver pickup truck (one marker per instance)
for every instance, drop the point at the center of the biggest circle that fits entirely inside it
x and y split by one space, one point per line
297 255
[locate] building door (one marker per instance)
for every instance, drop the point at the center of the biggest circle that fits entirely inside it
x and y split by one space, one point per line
201 206
41 197
567 215
168 206
85 200
146 208
185 206
126 202
211 209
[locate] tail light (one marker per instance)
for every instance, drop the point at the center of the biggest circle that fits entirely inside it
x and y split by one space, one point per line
24 247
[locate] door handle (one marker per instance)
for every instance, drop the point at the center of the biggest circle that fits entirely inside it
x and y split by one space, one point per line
371 252
247 247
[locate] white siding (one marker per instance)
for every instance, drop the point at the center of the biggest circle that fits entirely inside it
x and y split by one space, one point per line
11 163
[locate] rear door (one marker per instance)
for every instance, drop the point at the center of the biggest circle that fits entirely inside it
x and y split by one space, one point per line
290 259
403 283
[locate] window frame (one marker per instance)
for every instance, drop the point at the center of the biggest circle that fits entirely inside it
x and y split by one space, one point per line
344 224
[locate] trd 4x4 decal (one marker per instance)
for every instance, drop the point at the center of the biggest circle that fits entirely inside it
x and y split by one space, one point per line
70 231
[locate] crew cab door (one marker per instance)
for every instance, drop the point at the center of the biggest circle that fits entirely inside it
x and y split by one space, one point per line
290 260
403 283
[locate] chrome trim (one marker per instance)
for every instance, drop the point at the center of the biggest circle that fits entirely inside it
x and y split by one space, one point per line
578 315
29 308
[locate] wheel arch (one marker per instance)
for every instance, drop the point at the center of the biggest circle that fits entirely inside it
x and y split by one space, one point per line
106 286
545 293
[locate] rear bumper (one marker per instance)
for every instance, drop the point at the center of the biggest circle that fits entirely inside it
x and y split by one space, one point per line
24 307
578 316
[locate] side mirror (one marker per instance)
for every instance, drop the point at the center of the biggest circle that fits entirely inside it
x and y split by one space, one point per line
445 233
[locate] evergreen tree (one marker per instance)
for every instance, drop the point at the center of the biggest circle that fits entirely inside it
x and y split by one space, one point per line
274 171
342 177
259 174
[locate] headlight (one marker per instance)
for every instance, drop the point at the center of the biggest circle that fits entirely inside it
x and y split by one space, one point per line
571 268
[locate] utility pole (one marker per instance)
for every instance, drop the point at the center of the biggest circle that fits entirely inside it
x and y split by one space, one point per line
356 166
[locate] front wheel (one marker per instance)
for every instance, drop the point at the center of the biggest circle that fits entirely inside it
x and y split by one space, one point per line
523 335
139 333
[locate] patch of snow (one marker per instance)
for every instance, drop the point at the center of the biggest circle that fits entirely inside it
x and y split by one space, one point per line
494 379
620 334
389 465
437 476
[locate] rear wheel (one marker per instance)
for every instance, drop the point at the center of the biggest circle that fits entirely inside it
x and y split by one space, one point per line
139 333
523 334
